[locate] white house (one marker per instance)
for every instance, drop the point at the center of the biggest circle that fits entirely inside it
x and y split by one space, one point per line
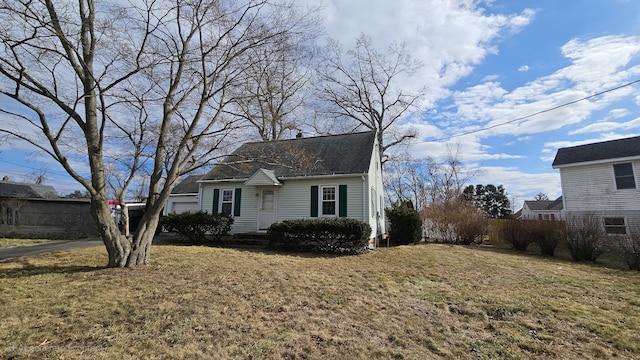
602 179
542 210
327 176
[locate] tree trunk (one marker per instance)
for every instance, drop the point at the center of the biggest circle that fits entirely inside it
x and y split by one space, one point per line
142 239
118 246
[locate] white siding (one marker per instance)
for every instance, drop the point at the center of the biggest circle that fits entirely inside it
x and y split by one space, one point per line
593 188
176 203
293 200
375 216
248 219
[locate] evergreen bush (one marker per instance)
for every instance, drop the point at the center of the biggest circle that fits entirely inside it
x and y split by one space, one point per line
406 224
332 235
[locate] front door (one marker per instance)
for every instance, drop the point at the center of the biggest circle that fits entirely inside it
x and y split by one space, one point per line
267 214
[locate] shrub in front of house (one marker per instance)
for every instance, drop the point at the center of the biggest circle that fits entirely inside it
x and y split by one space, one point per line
584 237
198 227
515 232
333 235
628 249
547 234
406 224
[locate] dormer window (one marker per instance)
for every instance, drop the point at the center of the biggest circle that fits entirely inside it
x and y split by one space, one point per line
624 176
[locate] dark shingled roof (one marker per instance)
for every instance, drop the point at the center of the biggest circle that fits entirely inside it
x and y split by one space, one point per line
322 155
545 205
187 186
27 191
598 151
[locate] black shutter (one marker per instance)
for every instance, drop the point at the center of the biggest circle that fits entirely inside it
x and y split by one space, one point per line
236 202
314 201
216 200
342 201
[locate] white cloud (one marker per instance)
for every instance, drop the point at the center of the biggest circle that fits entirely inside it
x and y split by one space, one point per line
596 65
519 185
607 126
523 68
449 37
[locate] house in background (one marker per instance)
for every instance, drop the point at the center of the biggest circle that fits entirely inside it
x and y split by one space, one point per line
602 179
184 196
30 210
317 177
542 210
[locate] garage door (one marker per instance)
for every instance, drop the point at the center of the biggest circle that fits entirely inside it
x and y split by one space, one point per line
180 207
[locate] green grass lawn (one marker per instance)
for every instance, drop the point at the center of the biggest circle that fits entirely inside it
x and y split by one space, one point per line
411 302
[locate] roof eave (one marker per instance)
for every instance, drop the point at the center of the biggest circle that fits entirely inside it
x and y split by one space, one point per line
596 162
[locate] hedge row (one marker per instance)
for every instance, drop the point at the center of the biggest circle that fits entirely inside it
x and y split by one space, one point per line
198 227
335 235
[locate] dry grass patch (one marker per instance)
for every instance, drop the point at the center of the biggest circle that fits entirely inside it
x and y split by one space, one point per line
7 243
426 301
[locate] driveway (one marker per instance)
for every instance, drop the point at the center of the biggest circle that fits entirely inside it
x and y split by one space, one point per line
30 250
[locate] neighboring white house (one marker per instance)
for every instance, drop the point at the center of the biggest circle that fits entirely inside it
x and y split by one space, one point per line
542 210
184 196
327 176
602 179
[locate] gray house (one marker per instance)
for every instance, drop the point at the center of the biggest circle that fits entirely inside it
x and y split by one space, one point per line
326 176
30 210
602 179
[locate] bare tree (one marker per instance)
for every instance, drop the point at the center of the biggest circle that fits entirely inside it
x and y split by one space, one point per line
427 181
72 67
271 96
363 89
10 207
541 197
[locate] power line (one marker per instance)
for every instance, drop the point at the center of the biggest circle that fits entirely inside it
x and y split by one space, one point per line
537 113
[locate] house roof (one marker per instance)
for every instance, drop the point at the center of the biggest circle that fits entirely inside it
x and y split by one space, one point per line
545 205
27 191
314 156
187 186
613 149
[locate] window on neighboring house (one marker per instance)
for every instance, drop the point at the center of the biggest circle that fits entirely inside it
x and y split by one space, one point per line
9 216
329 198
615 226
624 176
226 202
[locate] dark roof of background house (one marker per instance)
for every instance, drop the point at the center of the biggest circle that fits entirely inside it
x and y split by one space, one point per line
27 191
598 151
321 155
187 186
549 205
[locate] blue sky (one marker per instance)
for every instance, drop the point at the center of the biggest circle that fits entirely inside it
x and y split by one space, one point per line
486 63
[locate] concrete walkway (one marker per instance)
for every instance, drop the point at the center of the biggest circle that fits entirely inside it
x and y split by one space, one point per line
18 251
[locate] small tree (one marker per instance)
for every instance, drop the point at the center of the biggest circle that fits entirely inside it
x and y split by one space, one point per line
406 224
